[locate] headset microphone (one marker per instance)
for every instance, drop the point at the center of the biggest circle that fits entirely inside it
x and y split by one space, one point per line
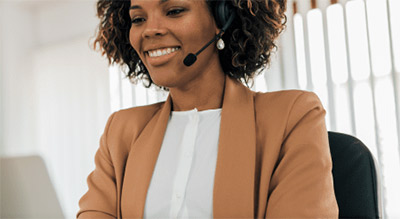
191 58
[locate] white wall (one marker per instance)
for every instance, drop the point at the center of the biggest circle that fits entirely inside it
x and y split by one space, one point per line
71 113
16 83
54 90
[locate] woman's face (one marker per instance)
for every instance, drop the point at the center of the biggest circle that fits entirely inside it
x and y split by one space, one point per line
164 32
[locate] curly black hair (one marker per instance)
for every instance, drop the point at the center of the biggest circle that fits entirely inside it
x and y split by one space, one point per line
250 39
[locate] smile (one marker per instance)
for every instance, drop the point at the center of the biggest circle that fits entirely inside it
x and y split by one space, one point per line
161 52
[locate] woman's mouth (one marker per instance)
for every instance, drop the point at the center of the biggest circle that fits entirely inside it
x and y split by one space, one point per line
161 52
158 57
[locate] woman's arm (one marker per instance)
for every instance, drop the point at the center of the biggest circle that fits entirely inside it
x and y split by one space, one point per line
100 201
302 184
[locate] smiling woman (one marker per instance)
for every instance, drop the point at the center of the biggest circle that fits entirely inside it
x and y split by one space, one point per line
250 39
214 148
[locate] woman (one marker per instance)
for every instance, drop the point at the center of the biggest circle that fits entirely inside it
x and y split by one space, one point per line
214 148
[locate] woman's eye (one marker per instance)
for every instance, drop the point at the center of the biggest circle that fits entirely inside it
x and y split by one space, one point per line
175 11
137 20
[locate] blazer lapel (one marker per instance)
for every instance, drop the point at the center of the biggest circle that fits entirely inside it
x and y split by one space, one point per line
233 194
234 174
141 162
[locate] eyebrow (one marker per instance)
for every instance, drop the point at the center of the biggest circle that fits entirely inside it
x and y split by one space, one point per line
139 7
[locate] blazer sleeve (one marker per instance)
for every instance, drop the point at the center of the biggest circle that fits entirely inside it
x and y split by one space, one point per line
302 184
100 201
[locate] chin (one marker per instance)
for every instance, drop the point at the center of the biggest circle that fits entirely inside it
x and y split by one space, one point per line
164 81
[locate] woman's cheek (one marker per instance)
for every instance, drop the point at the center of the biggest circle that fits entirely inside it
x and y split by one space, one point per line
136 48
133 39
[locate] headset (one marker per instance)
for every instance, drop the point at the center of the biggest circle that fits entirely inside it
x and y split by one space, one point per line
224 14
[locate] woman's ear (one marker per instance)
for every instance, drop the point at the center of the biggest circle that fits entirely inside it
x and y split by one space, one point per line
217 30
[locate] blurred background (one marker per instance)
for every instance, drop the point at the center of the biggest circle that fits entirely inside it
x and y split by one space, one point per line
56 92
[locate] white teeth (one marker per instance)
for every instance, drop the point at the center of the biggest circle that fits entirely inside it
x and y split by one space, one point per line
161 52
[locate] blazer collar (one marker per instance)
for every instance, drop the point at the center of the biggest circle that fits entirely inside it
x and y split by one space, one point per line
233 194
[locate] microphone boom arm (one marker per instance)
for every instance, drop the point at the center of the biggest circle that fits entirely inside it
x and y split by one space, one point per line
216 37
191 58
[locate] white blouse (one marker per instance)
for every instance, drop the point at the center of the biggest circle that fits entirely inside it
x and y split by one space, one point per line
183 178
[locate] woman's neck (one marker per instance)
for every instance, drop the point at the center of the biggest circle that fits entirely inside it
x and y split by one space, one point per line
203 94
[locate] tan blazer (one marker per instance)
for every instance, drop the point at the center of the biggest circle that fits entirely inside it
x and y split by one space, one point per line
273 158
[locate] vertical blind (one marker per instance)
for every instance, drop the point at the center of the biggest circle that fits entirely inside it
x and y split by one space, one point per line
348 52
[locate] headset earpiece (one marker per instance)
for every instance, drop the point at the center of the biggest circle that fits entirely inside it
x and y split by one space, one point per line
224 14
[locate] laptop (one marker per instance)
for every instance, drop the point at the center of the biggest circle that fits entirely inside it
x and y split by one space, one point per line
26 189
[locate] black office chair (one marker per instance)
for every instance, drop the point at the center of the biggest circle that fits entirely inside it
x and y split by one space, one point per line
354 176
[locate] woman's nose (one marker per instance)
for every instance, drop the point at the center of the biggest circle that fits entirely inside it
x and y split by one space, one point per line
154 28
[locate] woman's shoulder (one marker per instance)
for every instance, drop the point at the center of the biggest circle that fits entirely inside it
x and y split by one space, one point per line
283 96
135 116
285 100
284 109
141 110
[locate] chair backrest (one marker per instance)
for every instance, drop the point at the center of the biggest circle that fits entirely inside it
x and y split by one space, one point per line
26 189
355 177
